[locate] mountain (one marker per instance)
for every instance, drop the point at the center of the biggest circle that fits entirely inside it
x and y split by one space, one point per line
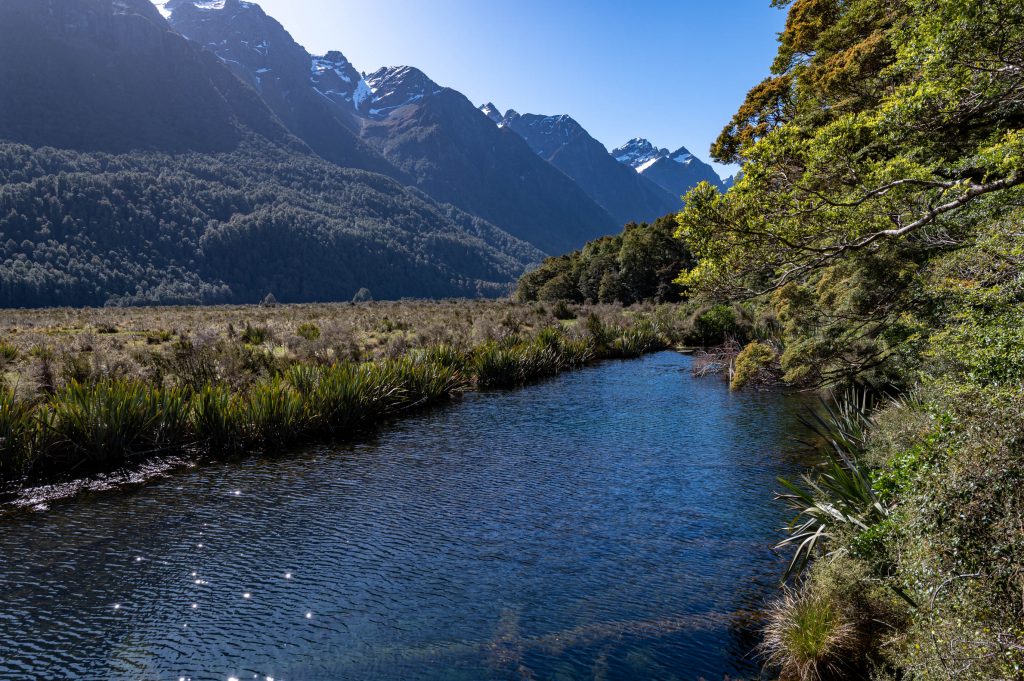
413 129
292 83
565 144
135 167
676 172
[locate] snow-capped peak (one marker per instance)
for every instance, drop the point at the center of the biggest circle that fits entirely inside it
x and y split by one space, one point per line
639 154
398 86
167 7
683 156
334 76
492 112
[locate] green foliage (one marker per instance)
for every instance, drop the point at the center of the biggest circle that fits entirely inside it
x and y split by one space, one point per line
808 636
641 338
107 423
839 497
637 266
18 427
144 228
889 140
752 363
831 625
255 335
562 311
309 331
159 337
8 354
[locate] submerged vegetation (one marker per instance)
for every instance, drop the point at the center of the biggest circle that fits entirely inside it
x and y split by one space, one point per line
118 402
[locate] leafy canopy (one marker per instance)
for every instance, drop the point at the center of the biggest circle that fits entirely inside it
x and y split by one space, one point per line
889 135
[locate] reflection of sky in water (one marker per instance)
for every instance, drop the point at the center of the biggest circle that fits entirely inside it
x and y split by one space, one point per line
612 524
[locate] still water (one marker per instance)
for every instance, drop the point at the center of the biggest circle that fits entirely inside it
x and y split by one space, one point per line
614 523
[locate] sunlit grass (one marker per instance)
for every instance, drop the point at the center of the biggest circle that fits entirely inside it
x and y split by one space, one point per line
187 405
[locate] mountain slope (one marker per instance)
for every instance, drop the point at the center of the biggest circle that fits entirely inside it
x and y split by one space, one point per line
429 136
91 74
565 144
456 155
263 54
676 172
173 182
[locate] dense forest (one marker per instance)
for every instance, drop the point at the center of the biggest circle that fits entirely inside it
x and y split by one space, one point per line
148 228
879 218
639 265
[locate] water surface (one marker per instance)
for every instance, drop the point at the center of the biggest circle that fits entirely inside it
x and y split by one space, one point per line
614 523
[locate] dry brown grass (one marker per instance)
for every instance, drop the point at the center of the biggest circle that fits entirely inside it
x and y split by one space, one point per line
55 345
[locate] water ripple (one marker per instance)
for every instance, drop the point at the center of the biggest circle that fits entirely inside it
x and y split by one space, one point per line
614 523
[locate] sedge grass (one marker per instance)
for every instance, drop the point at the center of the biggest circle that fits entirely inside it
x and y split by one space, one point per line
108 423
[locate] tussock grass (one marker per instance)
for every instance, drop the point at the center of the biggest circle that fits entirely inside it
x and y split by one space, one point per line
211 395
807 636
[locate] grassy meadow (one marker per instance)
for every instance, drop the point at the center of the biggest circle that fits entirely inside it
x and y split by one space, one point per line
87 391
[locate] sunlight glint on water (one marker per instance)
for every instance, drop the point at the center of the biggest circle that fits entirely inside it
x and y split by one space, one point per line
614 523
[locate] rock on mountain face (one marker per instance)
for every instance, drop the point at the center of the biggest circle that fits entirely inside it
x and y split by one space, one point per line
676 172
564 143
458 156
310 95
172 181
110 76
397 121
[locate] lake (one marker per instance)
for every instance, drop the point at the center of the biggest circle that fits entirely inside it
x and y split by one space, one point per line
613 523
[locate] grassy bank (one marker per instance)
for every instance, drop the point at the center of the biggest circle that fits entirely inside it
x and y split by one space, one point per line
88 392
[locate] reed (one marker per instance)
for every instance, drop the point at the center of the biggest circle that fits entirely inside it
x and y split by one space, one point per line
18 428
107 423
218 420
104 423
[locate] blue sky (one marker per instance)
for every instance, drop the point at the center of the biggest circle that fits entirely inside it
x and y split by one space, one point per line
673 71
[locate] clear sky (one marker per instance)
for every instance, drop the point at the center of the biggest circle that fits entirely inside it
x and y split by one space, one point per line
673 71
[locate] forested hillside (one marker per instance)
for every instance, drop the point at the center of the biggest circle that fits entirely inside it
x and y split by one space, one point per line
147 228
878 217
639 265
154 175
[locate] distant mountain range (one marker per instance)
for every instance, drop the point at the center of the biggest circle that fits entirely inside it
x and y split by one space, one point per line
184 151
676 172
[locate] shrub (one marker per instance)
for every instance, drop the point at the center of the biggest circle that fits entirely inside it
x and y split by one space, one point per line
754 365
309 331
562 311
158 337
104 423
255 335
17 427
840 496
835 624
275 412
713 326
219 420
808 636
639 339
8 354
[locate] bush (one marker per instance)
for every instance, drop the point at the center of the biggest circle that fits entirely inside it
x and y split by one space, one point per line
106 423
562 311
255 335
309 331
17 428
808 637
754 366
159 337
8 354
715 325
